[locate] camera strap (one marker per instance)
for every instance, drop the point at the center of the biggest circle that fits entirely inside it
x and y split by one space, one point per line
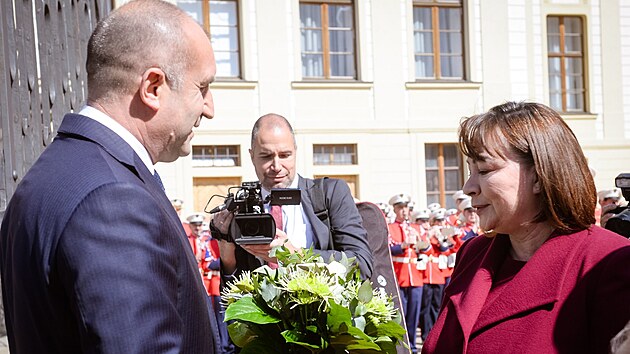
320 208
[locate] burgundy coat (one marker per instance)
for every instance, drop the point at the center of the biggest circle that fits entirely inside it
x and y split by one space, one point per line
572 296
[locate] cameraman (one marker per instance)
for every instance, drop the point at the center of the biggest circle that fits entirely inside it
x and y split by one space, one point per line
273 154
614 207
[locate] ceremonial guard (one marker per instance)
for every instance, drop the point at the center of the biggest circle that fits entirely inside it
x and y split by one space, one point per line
406 242
438 265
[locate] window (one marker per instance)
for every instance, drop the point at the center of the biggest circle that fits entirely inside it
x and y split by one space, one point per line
327 31
216 156
566 63
335 154
438 39
443 165
220 19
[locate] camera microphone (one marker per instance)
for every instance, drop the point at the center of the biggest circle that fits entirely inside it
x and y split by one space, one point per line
228 204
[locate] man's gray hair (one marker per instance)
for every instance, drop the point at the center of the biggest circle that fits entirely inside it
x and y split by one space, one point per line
137 36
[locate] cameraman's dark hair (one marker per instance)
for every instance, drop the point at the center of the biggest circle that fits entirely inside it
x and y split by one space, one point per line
139 35
541 138
272 120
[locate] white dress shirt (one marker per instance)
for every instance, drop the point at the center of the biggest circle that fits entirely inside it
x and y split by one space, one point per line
119 130
295 223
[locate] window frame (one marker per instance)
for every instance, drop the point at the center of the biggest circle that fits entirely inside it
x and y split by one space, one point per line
236 156
206 25
354 154
441 172
562 55
435 6
326 56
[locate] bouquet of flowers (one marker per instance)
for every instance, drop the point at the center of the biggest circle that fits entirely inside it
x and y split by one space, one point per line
309 306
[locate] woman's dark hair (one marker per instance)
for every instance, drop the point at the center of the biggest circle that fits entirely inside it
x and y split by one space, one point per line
541 138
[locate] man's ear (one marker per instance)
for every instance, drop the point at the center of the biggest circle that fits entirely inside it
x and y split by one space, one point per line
152 87
251 154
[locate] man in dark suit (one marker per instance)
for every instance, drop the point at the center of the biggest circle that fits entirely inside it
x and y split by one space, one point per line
273 154
93 256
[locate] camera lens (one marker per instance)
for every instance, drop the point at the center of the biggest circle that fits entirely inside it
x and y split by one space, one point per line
250 228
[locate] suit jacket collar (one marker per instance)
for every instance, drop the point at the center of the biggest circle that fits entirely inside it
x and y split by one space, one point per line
539 282
321 239
82 127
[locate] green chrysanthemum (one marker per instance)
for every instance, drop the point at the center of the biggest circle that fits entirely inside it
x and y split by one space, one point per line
380 309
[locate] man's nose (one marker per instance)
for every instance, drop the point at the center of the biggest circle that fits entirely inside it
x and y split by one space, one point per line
208 106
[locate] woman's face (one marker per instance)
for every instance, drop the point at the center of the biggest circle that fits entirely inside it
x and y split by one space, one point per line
504 192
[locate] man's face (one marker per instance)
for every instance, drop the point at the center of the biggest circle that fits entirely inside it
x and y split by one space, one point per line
195 228
183 108
402 212
273 157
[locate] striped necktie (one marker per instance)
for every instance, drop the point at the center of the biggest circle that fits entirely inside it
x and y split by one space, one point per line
156 175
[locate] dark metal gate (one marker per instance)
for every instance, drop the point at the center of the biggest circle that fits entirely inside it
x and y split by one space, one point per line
42 69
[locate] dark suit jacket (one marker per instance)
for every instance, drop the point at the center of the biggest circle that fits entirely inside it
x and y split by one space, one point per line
94 258
572 296
349 235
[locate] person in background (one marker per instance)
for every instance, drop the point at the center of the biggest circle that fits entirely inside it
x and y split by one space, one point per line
436 270
273 154
197 243
406 242
421 218
469 220
543 278
93 256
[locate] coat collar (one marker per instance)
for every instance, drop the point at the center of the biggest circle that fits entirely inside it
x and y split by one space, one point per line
320 231
82 127
539 282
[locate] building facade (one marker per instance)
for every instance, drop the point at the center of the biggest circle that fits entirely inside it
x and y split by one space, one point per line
375 89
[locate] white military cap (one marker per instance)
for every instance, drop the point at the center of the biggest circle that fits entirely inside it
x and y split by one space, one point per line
434 206
438 214
465 204
459 195
420 214
451 211
399 198
609 193
177 203
196 218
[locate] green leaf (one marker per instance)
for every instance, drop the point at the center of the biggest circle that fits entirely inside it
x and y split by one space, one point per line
260 346
337 315
365 292
391 329
245 309
359 322
295 337
241 333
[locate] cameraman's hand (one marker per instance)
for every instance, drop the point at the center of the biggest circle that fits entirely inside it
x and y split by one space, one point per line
222 220
262 251
606 213
227 251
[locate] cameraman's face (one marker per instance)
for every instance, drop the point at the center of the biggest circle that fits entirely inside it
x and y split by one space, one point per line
273 156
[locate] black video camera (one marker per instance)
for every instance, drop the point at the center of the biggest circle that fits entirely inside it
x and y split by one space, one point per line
251 225
620 223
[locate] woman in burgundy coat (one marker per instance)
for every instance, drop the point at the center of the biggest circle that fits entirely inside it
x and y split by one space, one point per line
544 279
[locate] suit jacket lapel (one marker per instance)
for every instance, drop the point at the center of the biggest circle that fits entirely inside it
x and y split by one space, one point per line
85 128
320 231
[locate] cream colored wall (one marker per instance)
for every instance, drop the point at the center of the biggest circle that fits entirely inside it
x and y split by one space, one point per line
388 115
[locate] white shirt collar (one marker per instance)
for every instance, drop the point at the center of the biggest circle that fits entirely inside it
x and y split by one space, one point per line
119 130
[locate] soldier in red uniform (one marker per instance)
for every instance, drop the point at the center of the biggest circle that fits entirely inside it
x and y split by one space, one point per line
406 241
206 251
438 265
